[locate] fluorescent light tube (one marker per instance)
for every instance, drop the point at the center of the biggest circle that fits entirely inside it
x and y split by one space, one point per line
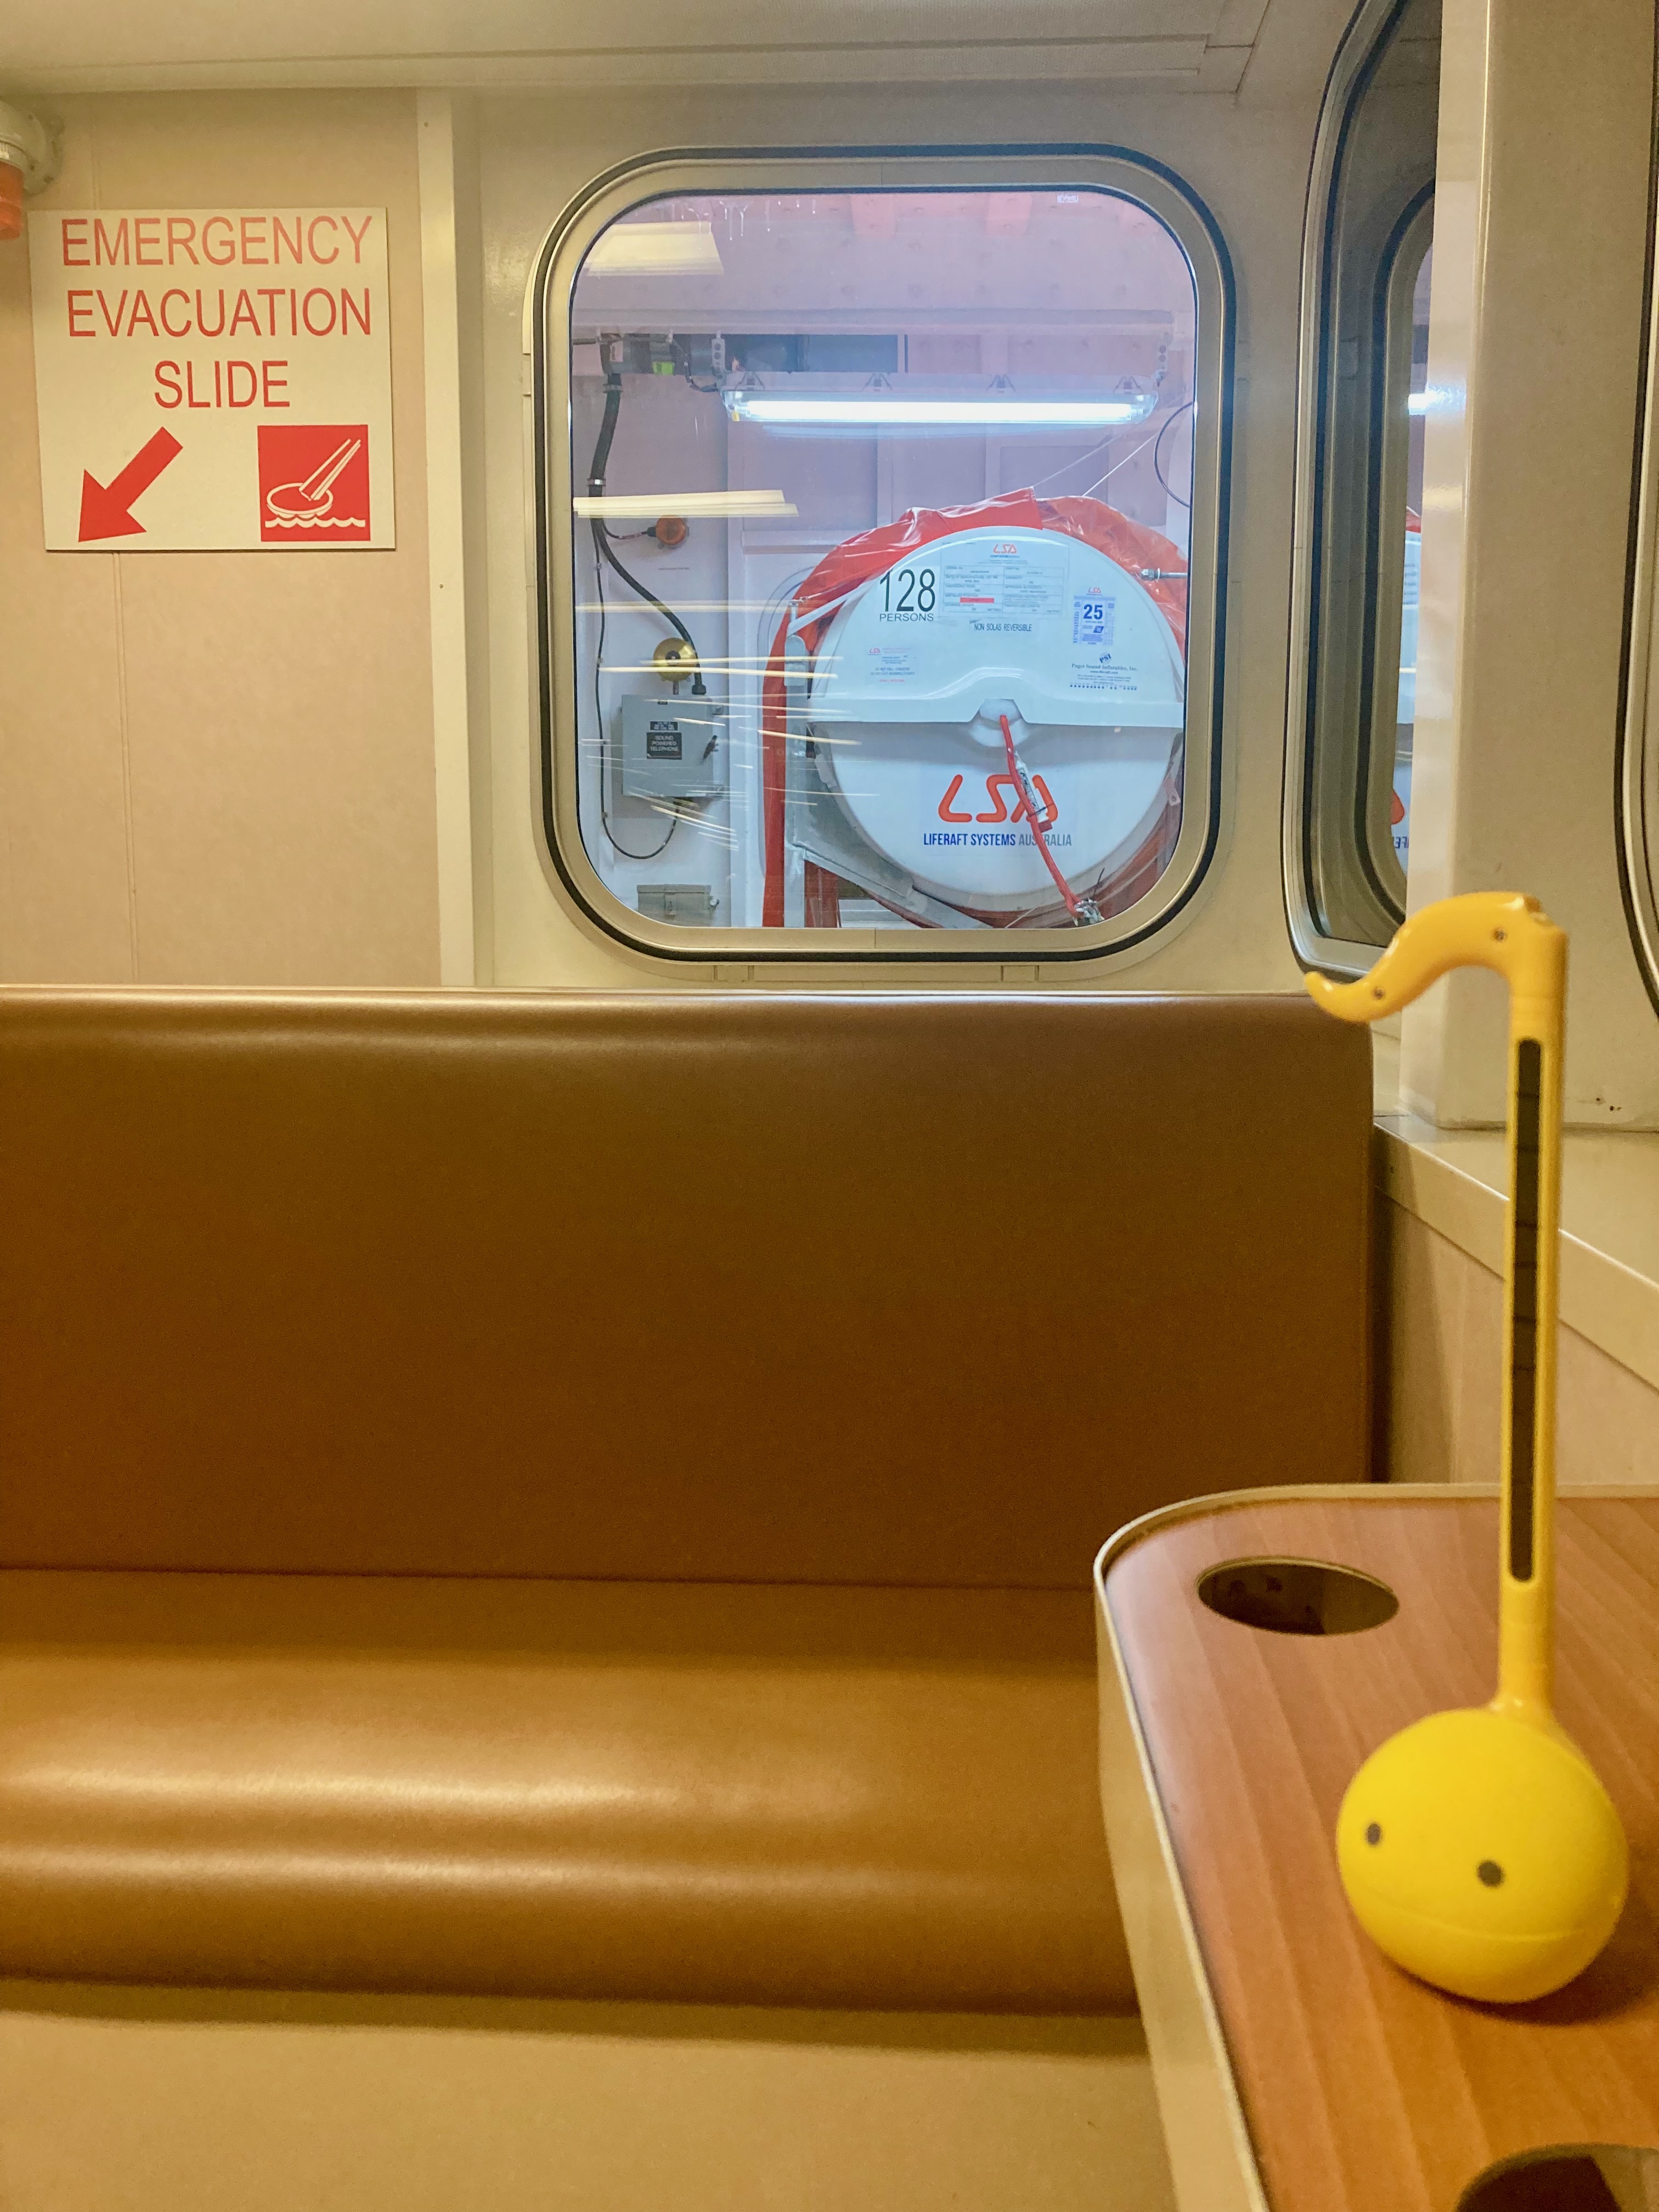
647 506
862 410
655 249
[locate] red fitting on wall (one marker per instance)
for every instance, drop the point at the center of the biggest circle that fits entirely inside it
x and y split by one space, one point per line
28 162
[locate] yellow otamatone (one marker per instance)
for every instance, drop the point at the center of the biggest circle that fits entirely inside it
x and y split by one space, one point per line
1481 1853
1478 1847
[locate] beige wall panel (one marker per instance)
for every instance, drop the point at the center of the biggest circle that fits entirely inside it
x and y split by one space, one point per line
65 913
1425 1343
284 819
1609 1418
1249 165
1542 237
1443 1356
1443 1362
129 2102
275 708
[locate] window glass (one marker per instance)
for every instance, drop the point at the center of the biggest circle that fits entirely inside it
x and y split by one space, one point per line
881 518
1359 465
1400 807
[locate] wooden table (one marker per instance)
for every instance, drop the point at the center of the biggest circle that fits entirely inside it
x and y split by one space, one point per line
1296 2068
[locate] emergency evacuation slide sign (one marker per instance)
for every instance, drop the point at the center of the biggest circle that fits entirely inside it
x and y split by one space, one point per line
213 379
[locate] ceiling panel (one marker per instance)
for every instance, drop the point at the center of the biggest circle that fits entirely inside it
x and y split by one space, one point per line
1200 45
53 34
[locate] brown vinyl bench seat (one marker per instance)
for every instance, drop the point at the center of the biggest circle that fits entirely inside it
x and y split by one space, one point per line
814 1796
594 1497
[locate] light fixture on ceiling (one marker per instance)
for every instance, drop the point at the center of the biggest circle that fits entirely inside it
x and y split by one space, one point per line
655 249
694 506
871 410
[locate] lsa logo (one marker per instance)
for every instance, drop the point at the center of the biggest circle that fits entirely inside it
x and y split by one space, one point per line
995 786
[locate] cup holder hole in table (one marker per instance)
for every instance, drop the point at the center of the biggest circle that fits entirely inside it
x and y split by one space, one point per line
1298 1597
1568 2178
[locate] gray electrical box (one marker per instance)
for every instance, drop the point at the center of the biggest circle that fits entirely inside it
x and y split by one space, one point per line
691 905
673 748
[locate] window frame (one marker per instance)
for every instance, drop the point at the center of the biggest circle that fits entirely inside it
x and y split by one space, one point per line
553 538
1334 765
1636 763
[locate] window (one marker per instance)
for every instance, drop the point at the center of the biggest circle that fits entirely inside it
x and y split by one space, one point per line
1353 666
1391 686
881 518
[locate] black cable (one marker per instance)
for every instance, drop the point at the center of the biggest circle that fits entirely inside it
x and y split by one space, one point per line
601 553
602 536
1170 491
599 717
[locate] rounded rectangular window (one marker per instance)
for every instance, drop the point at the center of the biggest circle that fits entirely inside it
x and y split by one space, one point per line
1394 688
1367 258
881 520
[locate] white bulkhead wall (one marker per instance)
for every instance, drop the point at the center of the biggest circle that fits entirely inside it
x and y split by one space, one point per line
216 767
225 771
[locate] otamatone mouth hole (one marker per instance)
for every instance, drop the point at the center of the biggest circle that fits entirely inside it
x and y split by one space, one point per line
1568 2178
1298 1597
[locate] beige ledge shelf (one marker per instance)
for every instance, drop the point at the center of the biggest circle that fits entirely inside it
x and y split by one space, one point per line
1456 1181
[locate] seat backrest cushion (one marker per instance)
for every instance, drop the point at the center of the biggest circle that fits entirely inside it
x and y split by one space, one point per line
928 1289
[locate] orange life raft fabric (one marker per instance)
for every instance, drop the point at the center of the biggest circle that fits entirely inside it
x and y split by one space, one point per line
856 560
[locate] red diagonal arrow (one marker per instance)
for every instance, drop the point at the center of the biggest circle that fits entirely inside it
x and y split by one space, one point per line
103 507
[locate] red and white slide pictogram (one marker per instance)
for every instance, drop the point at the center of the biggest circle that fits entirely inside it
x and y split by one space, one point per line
313 483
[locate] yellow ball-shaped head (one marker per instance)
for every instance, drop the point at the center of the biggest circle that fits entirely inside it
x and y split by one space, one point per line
1480 1851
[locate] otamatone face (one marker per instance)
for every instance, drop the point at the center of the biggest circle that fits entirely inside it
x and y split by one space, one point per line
1480 1852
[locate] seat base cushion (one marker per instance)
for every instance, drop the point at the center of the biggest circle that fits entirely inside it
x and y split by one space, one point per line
689 1793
